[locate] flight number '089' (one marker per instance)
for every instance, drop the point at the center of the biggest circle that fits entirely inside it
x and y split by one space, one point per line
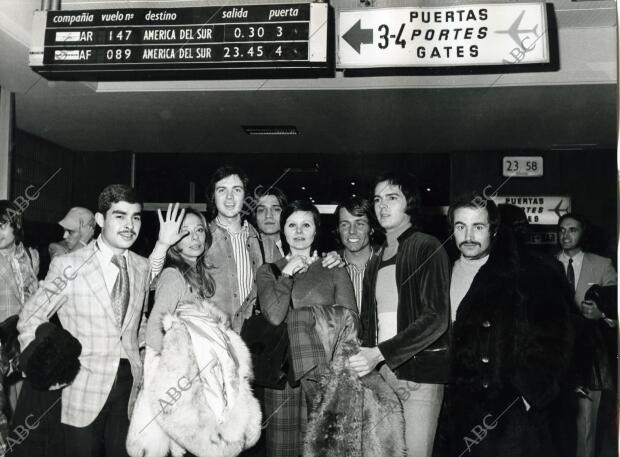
118 54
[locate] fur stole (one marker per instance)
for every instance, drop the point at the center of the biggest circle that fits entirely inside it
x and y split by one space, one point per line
177 408
354 417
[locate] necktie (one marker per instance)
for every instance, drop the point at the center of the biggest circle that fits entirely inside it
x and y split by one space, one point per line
570 274
120 291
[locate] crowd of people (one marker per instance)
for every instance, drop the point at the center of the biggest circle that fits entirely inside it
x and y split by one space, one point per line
505 351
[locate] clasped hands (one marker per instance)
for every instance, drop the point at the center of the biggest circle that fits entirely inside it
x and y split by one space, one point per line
298 264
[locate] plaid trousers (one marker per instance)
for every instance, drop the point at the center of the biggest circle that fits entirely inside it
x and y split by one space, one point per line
285 420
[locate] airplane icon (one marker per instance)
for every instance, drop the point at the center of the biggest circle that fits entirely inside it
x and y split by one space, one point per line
558 209
515 33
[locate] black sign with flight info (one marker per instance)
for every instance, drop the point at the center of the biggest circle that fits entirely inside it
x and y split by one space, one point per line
111 44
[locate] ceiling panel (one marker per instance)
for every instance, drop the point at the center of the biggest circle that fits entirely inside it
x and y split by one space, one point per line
329 121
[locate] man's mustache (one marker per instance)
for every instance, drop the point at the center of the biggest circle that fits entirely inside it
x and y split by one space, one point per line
471 243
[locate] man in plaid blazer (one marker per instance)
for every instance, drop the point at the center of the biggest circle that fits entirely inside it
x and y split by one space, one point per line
99 295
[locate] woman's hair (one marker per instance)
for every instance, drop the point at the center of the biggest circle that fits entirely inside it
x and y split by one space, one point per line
293 207
198 276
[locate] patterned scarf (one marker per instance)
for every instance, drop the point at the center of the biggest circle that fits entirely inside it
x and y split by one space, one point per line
23 272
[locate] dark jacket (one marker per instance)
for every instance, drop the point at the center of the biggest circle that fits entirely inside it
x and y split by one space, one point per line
594 364
419 351
510 340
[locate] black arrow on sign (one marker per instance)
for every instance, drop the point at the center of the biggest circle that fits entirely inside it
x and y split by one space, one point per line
356 36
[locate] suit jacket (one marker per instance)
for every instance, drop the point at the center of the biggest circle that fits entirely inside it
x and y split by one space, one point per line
593 358
85 310
594 270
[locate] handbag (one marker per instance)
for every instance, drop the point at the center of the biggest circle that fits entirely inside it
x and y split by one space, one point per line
269 347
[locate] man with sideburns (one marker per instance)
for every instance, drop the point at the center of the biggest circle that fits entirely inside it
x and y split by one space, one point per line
405 311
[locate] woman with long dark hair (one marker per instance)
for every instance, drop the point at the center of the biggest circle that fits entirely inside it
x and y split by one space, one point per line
293 282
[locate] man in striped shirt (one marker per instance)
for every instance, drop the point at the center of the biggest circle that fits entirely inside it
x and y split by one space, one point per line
356 225
235 253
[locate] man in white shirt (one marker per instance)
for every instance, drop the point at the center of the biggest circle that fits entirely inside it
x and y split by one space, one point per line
584 269
99 297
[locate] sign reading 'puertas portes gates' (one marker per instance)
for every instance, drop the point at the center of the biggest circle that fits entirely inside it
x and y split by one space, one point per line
146 41
462 35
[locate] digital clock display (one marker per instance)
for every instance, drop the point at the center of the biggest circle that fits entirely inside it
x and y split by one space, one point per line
522 166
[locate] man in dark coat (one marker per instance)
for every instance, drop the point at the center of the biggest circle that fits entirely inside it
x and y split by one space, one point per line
509 341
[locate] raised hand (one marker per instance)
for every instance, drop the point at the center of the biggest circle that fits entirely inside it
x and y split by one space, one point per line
170 226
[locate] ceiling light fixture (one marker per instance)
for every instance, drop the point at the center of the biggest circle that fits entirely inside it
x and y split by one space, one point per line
278 130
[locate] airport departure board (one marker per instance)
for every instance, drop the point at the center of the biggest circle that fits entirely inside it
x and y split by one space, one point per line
173 42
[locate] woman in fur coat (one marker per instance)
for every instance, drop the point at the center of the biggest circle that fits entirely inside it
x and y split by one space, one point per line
196 393
509 352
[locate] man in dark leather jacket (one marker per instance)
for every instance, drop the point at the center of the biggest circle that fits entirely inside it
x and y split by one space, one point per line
405 311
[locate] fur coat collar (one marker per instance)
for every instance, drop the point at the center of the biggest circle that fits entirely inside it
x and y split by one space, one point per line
210 412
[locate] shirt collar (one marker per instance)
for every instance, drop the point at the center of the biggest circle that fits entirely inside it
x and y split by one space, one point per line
577 258
106 252
244 227
475 262
347 263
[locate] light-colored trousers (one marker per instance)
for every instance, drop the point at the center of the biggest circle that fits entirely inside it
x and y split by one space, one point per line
421 405
587 417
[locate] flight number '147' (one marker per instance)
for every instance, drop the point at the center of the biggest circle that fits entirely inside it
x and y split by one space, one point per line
121 35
